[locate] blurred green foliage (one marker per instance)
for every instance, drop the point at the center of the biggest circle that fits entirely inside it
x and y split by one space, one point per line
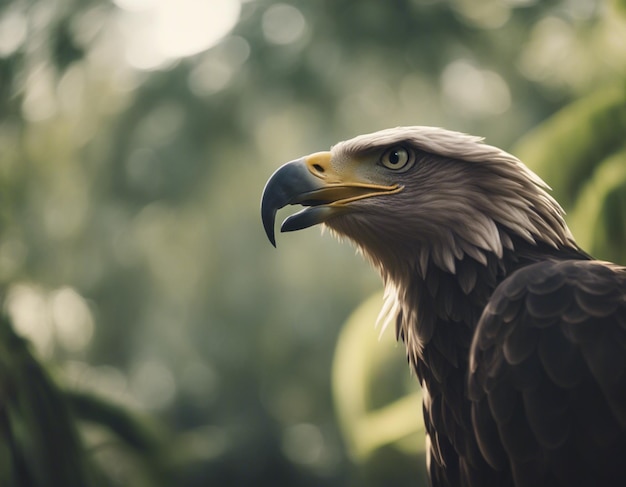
40 443
582 149
132 258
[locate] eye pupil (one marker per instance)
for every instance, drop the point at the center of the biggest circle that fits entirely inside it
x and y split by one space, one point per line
396 158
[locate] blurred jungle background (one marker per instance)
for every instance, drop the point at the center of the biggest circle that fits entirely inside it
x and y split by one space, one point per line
151 335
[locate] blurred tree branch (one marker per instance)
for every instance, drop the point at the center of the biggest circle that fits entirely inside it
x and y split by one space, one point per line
40 426
38 433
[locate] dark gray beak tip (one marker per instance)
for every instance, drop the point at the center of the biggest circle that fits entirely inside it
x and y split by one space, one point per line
285 187
278 192
268 216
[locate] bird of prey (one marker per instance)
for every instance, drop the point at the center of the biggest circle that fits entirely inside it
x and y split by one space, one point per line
517 336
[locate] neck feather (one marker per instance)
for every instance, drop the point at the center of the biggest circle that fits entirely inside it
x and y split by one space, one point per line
426 294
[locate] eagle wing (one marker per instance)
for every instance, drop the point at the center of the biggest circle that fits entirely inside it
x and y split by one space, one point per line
547 375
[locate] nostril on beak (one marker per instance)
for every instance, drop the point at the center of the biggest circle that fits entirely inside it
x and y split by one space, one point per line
318 168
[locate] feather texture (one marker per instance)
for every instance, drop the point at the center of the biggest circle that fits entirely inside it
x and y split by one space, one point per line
565 379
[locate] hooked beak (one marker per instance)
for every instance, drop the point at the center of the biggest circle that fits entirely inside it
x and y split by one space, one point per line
313 183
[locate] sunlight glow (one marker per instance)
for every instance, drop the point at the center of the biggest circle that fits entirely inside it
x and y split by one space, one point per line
158 32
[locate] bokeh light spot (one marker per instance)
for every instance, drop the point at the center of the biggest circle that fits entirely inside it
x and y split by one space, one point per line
152 383
187 27
217 67
159 31
28 310
485 14
474 92
303 443
39 101
13 30
283 24
74 325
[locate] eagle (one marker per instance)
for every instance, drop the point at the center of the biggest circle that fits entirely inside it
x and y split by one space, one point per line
516 334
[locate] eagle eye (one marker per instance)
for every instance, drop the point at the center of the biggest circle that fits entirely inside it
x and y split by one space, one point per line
397 158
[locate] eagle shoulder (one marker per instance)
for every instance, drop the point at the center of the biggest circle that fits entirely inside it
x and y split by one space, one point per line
547 376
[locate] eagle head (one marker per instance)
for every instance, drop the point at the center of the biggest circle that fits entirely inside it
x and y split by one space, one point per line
410 195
